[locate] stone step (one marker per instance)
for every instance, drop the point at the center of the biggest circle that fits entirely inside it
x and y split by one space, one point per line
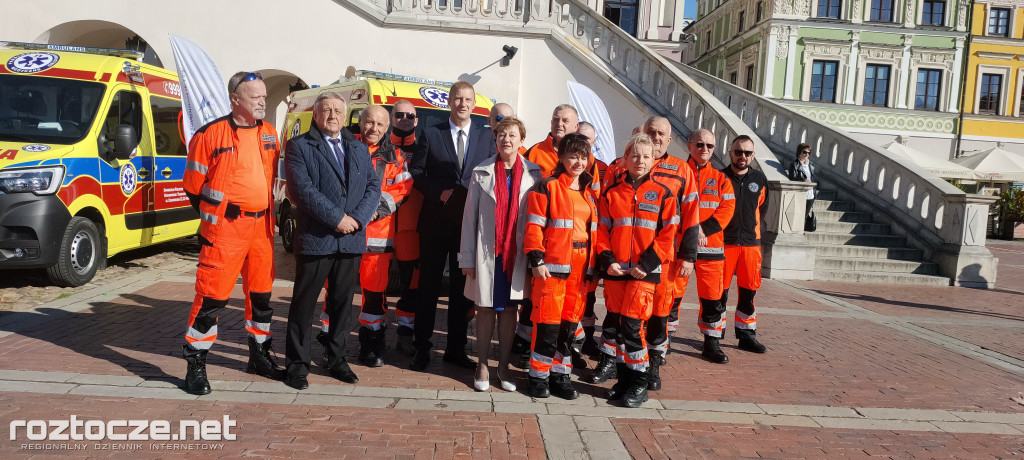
823 205
826 195
865 252
872 240
876 265
855 276
844 216
852 227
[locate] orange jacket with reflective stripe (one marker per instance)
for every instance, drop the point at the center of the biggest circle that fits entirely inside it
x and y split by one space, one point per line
717 203
395 185
543 154
637 224
212 162
409 215
549 224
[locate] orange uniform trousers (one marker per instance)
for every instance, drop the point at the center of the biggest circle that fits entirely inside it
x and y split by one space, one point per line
244 245
743 262
630 305
710 276
557 307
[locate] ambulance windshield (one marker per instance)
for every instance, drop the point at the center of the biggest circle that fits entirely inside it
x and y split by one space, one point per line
47 110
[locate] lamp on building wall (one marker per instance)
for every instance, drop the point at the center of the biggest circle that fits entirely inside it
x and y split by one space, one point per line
510 52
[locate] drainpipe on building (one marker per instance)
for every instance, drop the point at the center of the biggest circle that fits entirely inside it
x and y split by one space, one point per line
963 78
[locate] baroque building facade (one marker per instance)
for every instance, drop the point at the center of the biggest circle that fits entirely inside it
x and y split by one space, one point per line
878 68
994 91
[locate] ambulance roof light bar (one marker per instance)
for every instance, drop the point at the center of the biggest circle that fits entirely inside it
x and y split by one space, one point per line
373 74
122 53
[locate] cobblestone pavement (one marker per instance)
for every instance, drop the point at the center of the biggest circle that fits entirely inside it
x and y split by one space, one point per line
852 370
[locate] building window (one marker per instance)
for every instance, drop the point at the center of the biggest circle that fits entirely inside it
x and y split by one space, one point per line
757 15
999 22
876 85
823 81
739 23
828 9
733 78
933 12
989 97
1020 113
707 40
623 13
881 10
750 78
927 97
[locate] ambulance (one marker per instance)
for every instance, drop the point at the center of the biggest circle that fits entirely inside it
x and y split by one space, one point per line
363 88
91 158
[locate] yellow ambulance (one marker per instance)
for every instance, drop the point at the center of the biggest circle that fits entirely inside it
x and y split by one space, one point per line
363 88
91 158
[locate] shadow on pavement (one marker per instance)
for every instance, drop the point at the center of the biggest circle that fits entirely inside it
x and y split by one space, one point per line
924 306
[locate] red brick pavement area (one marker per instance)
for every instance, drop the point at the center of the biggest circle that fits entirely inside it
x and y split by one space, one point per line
659 439
292 431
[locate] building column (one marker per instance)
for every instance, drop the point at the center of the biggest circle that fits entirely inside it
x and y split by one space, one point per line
904 80
955 98
851 70
790 63
767 87
649 28
677 19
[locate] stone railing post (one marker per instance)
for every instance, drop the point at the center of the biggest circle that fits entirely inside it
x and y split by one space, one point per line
964 257
786 253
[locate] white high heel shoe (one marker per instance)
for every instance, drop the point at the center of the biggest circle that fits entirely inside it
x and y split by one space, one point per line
506 385
482 385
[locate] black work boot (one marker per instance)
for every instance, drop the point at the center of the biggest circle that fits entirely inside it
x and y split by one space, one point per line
404 345
636 394
616 391
369 347
653 371
195 378
324 342
520 354
561 386
712 351
604 370
589 344
748 341
539 387
260 361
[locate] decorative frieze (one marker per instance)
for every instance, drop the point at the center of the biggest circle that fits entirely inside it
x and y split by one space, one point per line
875 120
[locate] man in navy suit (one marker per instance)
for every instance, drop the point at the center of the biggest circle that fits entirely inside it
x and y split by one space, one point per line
336 191
450 151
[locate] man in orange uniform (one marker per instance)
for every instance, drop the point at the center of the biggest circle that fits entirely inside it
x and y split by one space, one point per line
637 225
407 239
564 120
395 182
231 164
717 203
743 240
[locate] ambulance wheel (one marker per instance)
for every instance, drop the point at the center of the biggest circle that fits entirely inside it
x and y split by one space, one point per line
81 254
286 227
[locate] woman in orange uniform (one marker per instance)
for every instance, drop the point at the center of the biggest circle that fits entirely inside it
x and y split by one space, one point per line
560 229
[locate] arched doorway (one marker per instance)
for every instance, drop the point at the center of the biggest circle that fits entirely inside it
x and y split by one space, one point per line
103 34
279 84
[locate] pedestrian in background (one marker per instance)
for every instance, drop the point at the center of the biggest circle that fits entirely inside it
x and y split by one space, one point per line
801 170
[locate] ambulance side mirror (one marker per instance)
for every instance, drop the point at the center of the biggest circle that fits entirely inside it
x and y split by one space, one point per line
125 142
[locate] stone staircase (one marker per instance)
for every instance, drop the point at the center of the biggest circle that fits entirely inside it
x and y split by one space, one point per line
851 247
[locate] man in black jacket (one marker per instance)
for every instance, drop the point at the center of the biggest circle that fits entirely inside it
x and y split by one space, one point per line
336 192
743 240
449 152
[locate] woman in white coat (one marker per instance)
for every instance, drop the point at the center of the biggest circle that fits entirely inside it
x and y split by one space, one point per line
491 256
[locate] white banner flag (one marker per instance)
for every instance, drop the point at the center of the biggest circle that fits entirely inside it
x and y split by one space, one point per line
204 96
592 110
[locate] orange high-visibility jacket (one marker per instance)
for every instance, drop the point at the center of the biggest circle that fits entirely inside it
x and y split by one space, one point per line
637 224
211 165
717 203
543 154
549 224
409 216
395 185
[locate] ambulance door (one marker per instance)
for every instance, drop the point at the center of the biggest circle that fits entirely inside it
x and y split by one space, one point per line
173 215
128 184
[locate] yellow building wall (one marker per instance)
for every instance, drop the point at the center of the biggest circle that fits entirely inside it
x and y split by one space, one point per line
1009 124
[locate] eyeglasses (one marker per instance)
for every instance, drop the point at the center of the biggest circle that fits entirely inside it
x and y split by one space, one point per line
805 152
248 77
499 117
746 153
406 115
702 145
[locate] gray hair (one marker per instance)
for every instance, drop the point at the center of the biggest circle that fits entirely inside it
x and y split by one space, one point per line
328 95
586 124
562 107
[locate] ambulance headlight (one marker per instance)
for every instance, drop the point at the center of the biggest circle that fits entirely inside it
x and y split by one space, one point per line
40 180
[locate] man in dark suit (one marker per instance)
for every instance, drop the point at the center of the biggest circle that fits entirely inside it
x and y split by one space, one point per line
336 191
450 151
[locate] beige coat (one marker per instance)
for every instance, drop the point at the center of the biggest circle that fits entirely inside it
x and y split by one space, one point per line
477 250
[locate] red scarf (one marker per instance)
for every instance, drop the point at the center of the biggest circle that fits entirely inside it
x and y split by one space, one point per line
505 216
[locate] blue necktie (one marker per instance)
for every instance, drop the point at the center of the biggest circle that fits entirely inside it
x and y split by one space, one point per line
338 152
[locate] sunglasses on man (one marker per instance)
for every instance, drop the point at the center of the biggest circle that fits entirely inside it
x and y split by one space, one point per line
746 153
405 115
702 145
248 77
